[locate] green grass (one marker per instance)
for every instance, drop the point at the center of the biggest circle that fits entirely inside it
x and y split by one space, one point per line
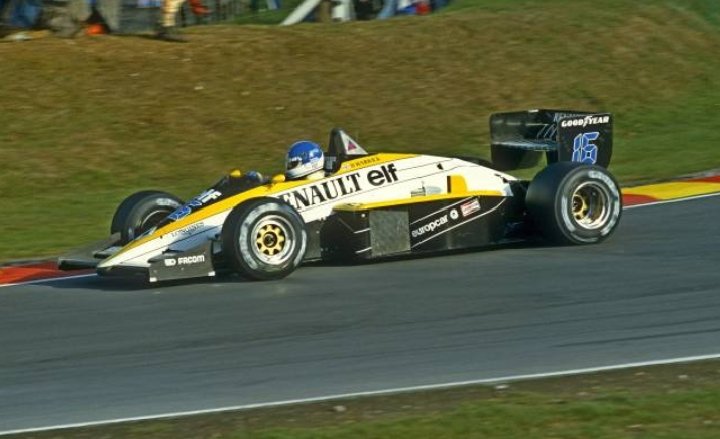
86 122
613 416
677 401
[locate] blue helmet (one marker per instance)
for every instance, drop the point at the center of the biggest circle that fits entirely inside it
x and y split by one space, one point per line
303 158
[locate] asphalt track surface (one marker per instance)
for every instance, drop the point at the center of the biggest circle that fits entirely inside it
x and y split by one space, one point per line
90 349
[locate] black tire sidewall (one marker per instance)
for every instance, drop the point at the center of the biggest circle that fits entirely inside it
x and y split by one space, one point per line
237 238
549 202
135 209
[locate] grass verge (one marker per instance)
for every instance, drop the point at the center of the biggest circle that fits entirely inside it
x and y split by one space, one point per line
673 401
89 121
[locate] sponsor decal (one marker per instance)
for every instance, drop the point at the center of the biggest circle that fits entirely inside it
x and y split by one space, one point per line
210 194
470 207
430 227
333 188
445 219
549 131
608 181
189 230
360 163
184 260
584 121
583 150
558 116
189 260
199 201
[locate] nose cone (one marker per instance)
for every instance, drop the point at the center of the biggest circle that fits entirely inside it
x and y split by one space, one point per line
105 263
134 254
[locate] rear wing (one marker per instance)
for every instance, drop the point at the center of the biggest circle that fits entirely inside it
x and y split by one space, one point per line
520 138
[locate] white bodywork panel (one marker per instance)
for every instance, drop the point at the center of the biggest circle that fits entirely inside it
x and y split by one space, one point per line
393 180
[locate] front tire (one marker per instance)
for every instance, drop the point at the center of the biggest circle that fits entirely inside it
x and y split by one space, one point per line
140 212
264 239
573 203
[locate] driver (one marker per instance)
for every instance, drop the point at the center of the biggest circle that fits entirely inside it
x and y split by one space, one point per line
304 159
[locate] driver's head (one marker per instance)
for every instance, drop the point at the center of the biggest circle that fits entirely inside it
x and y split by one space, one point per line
303 159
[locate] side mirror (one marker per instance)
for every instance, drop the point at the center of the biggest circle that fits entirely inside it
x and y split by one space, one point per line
235 173
279 178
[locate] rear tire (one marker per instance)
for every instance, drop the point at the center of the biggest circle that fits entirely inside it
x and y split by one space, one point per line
264 239
573 203
140 212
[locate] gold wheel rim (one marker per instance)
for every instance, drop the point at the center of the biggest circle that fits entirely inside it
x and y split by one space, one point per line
580 207
270 239
591 205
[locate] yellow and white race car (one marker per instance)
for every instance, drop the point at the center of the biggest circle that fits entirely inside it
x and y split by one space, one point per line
371 206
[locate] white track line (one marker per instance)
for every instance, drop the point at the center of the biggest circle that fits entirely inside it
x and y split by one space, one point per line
674 200
397 390
48 279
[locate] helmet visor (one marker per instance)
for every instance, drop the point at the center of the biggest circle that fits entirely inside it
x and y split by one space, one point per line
293 162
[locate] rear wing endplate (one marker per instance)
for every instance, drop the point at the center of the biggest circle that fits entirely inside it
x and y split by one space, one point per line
520 138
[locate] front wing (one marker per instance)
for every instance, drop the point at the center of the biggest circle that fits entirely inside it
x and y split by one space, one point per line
170 265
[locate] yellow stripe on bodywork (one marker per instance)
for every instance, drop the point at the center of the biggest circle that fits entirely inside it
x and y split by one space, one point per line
355 207
267 190
456 183
667 191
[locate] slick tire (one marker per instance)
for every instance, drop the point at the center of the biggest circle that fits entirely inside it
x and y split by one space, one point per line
141 211
264 239
573 203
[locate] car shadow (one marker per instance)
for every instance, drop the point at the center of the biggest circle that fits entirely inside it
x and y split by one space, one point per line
431 254
140 283
136 283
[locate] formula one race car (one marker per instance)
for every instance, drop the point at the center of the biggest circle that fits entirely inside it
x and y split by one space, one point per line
371 206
